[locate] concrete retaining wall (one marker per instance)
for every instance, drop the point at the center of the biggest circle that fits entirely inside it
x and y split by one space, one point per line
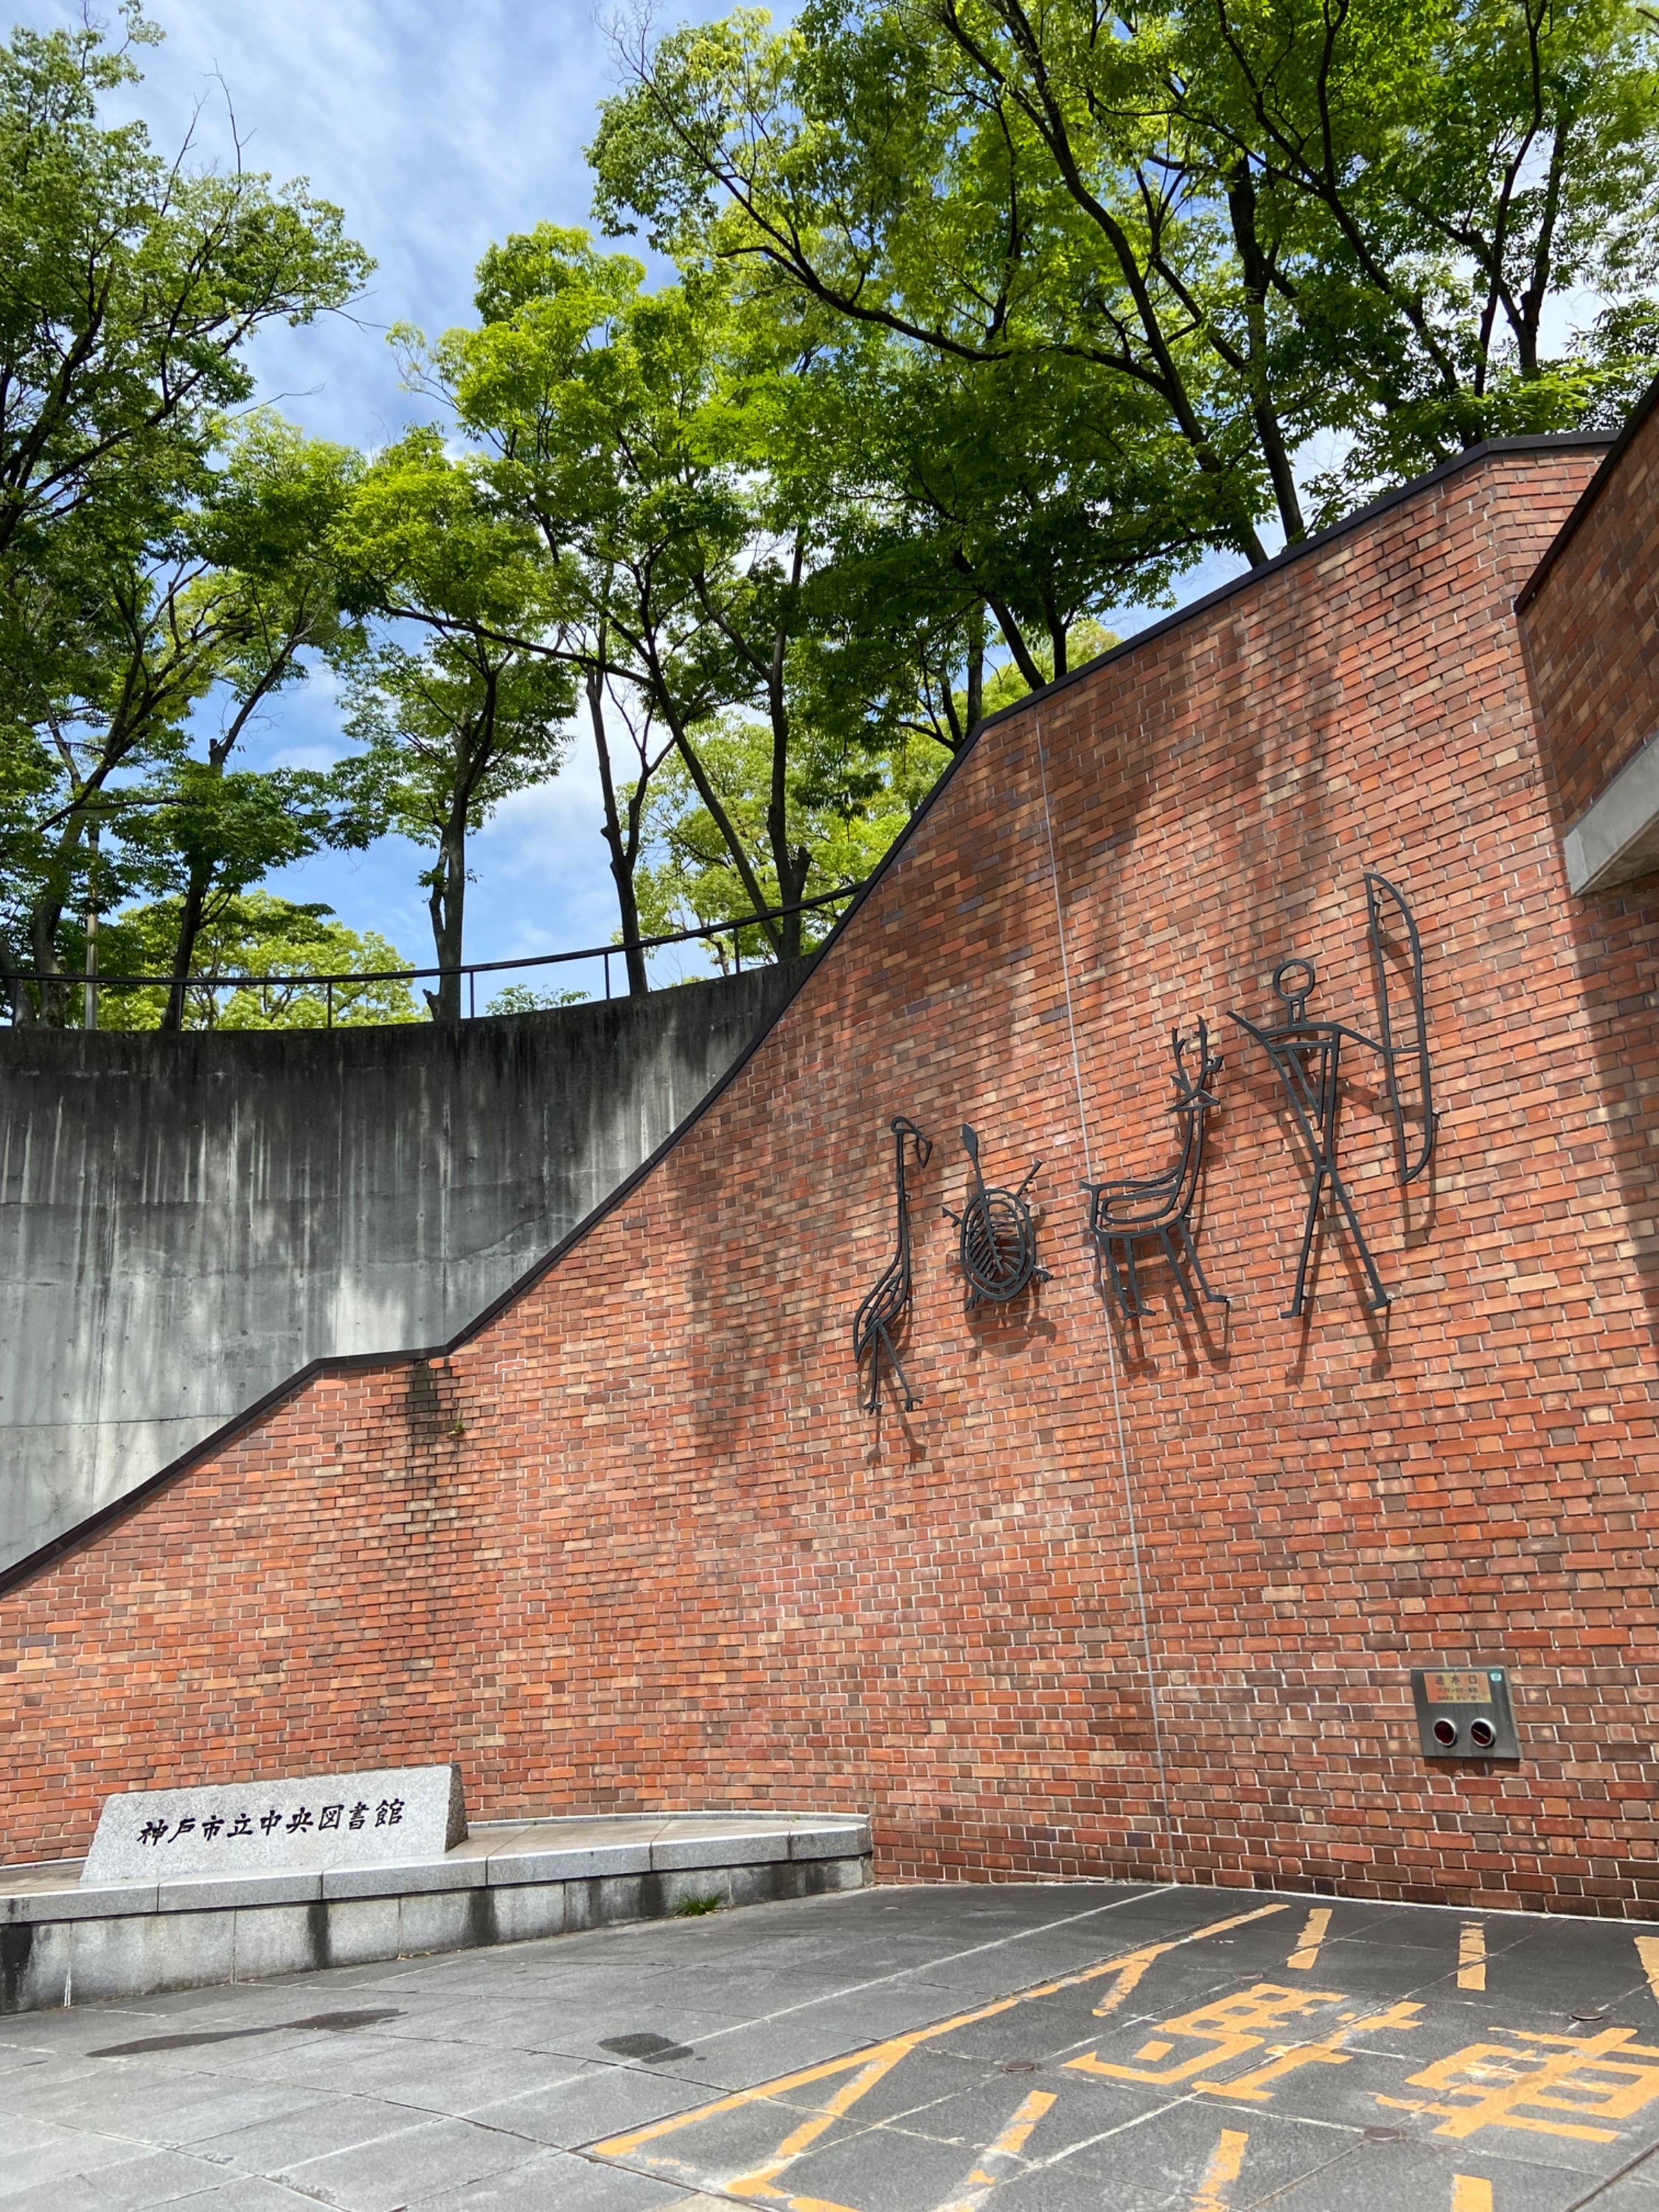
186 1221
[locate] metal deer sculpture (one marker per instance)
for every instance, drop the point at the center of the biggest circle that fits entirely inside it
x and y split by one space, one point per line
880 1319
1306 1055
997 1246
1158 1209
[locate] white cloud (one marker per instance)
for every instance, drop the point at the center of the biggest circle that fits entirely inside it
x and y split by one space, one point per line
436 129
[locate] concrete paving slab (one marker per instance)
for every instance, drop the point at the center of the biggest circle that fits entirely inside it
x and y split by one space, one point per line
137 2183
244 2195
555 2179
316 2127
423 2076
1235 2050
1636 2192
436 2158
39 2151
596 2100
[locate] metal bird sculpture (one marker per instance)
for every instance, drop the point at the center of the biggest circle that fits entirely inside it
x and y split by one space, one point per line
880 1319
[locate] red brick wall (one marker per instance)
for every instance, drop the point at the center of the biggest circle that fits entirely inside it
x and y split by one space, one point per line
1592 629
634 1544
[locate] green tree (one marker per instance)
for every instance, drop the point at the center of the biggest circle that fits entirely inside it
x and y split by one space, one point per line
590 394
524 999
1265 218
184 643
267 528
684 460
132 286
474 712
262 938
843 814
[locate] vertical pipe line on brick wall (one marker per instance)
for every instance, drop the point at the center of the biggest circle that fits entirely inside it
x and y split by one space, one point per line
1111 1340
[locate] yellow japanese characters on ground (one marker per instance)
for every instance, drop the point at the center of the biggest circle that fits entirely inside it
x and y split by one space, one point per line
1528 2080
1241 2046
1263 2018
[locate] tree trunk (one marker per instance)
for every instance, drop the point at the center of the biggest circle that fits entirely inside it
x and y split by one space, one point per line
184 952
792 868
447 905
17 991
624 850
43 930
1016 643
975 699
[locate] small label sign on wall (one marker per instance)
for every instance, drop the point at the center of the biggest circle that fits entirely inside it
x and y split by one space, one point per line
1464 1712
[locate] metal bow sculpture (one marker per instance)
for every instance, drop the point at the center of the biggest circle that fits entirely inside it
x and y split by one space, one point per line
1158 1209
997 1247
881 1317
1306 1056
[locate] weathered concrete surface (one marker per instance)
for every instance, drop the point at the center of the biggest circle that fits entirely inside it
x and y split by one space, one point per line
186 1221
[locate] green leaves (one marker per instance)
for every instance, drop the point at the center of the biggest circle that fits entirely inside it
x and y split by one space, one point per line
155 558
1234 226
259 937
472 712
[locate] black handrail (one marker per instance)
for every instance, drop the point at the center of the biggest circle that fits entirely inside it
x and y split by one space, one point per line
471 969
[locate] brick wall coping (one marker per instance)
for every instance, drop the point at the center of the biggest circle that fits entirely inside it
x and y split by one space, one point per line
24 1571
1587 498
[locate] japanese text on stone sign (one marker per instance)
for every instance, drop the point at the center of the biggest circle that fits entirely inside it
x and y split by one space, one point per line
291 1821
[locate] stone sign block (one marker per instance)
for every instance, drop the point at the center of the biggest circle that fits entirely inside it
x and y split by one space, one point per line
385 1817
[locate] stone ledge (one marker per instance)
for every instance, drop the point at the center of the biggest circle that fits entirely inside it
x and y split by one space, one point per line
511 1881
1616 839
496 1854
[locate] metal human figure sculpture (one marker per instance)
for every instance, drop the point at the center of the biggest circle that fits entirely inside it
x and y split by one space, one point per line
881 1317
1158 1208
1306 1056
997 1247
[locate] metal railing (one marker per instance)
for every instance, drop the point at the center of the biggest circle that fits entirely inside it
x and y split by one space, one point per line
96 983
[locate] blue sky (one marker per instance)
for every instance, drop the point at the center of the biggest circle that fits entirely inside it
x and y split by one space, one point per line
437 129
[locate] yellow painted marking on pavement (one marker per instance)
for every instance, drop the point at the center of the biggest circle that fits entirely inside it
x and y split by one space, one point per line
1647 1950
1471 1956
1327 2051
1254 2018
759 2183
1012 2138
1307 1946
1130 1968
1470 2194
1225 2160
1128 1979
869 2065
1008 2145
1607 2077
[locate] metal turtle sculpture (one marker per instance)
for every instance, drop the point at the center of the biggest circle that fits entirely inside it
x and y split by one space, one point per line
996 1246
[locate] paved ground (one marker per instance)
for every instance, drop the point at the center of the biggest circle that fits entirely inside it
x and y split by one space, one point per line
1030 2049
